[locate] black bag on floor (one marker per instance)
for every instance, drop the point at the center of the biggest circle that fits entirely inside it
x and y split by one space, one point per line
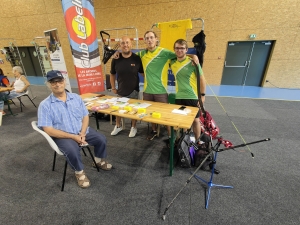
191 154
183 148
203 150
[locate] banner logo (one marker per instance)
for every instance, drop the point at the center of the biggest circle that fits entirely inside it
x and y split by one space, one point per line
81 26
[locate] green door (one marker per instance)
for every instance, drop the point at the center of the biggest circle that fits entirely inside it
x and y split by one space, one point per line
245 63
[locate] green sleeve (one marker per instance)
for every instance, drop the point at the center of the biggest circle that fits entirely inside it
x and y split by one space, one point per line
200 69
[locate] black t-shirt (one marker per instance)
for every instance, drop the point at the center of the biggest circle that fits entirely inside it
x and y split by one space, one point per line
127 70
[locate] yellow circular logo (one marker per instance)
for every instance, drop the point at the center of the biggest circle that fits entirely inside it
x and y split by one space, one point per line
82 26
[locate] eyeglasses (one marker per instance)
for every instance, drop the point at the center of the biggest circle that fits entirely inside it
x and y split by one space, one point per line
179 48
53 82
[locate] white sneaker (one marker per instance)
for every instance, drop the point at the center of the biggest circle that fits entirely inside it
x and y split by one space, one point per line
116 130
132 132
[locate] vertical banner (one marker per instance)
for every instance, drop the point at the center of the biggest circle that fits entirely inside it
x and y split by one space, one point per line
81 26
56 55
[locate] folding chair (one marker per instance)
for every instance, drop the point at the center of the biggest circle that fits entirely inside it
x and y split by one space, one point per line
21 103
57 150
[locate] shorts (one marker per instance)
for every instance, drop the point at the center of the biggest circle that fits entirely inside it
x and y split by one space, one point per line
188 102
134 95
156 97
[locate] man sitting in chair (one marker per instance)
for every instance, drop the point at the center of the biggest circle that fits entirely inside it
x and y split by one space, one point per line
64 117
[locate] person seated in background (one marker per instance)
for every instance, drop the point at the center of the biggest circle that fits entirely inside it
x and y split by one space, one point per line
21 83
186 81
64 117
4 82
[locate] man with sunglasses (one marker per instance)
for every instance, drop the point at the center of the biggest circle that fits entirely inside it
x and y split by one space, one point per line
64 117
186 81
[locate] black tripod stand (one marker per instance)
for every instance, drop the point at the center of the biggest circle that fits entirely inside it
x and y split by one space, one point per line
216 149
210 184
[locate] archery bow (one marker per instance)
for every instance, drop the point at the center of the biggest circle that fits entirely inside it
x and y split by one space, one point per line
108 52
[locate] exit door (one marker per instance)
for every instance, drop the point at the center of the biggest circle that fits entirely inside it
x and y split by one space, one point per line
30 61
246 62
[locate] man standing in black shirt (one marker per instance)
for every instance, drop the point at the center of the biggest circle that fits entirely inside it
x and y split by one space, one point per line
127 66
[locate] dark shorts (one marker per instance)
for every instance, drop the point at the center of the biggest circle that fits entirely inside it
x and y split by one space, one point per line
188 102
134 95
156 97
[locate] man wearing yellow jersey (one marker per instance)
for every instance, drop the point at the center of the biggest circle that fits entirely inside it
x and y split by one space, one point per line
186 81
156 62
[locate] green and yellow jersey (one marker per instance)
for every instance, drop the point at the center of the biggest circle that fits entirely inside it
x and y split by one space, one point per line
156 65
185 78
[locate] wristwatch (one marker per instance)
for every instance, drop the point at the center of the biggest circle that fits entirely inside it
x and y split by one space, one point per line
202 94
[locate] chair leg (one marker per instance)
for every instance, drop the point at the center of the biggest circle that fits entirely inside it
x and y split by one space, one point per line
8 106
66 165
21 104
31 100
64 178
92 157
12 101
54 158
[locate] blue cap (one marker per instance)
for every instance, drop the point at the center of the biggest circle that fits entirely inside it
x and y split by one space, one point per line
54 74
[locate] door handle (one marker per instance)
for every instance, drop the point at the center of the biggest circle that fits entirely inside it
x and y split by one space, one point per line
236 66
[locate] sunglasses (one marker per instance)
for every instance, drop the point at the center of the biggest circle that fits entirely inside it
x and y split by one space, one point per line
53 82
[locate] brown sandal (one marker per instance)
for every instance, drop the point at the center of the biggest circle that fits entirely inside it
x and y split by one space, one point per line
104 165
82 180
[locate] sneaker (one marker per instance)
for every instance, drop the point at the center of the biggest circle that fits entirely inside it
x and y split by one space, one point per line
116 130
152 135
133 131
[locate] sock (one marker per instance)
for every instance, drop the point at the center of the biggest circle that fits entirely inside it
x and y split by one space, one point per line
79 172
97 159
